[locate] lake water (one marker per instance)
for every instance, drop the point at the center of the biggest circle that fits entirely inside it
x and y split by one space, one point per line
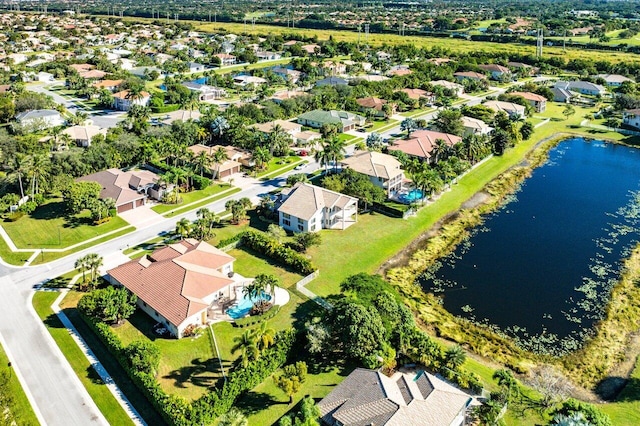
540 269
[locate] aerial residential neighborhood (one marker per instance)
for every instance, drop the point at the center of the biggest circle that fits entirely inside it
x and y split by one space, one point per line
311 213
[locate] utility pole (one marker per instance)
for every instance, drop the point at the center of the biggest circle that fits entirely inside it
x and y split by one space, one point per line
366 34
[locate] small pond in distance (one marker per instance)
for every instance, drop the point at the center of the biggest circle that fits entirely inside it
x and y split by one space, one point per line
541 267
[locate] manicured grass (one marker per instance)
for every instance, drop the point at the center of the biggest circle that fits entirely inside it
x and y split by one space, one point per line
51 226
20 406
13 257
145 245
101 395
187 365
191 197
51 256
203 203
279 165
626 409
377 125
249 264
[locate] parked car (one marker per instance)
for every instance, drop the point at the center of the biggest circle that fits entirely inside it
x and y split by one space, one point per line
299 166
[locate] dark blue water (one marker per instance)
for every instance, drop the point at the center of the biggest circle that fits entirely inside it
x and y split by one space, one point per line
541 268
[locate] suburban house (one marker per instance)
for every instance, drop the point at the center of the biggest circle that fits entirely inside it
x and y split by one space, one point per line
82 135
206 92
225 59
498 72
456 88
182 115
289 75
236 157
345 120
176 285
383 170
522 68
631 117
614 80
110 85
512 109
287 94
289 127
418 398
39 119
538 102
310 48
582 87
561 95
332 81
422 142
123 101
417 94
473 126
195 67
469 75
128 189
245 80
375 105
310 208
268 56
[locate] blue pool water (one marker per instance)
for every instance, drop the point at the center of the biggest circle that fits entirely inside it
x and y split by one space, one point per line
201 80
411 196
244 306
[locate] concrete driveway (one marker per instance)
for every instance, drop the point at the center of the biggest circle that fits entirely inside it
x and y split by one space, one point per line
141 217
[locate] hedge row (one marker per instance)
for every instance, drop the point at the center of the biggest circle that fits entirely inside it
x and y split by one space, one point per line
178 411
268 246
255 319
228 241
165 108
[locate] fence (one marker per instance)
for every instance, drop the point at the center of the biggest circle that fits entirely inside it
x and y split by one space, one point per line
300 286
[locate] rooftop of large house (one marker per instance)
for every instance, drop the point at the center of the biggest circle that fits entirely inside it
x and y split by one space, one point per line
530 96
421 143
373 164
508 107
116 183
173 280
368 397
371 102
304 200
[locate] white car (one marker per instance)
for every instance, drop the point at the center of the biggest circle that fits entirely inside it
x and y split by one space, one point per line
299 166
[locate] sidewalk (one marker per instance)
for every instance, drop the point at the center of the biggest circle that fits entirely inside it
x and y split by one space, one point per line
97 366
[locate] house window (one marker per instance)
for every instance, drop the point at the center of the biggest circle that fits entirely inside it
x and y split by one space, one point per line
286 215
300 227
144 303
286 222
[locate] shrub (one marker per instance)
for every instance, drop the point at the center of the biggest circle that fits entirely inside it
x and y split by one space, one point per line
263 244
228 241
260 308
255 319
200 182
143 356
12 217
28 207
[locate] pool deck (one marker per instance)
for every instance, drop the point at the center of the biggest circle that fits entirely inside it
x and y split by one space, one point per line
281 298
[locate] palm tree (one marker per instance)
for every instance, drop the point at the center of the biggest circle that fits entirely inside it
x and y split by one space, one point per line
265 335
202 161
39 171
506 381
247 346
279 141
219 156
440 150
261 156
183 227
94 262
323 157
408 125
82 263
454 357
20 168
233 417
219 126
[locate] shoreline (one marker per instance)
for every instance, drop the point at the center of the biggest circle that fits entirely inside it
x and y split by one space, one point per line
403 268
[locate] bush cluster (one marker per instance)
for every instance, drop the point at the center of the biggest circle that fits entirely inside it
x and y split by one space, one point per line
256 319
268 246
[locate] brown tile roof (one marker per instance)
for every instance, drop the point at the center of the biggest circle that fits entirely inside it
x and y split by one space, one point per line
373 164
125 93
305 200
108 83
371 102
529 96
422 142
416 93
115 184
176 280
470 74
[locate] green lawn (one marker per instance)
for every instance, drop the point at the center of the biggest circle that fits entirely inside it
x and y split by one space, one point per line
279 164
377 125
50 226
626 409
192 197
101 395
20 406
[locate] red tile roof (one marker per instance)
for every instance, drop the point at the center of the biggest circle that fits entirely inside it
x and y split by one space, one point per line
176 280
422 142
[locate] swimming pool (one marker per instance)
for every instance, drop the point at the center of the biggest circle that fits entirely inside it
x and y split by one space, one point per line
411 196
244 306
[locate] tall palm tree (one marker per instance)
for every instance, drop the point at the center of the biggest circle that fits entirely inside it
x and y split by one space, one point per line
38 171
219 126
454 357
82 263
279 141
265 335
203 161
247 346
94 262
20 169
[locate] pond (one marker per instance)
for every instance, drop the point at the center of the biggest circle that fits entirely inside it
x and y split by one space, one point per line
540 269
